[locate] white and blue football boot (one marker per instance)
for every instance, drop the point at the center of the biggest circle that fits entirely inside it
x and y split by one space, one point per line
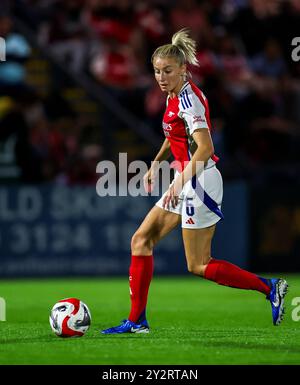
128 327
279 288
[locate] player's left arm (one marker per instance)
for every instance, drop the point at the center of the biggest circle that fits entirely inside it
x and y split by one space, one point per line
204 151
196 119
195 114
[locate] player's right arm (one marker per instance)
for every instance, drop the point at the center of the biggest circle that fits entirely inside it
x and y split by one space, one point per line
163 154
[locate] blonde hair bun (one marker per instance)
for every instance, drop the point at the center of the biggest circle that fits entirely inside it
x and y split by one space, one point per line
183 48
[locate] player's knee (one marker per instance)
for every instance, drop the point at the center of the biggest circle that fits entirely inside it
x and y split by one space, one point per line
139 241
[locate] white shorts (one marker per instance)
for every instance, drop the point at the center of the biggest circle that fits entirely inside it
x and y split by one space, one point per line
200 200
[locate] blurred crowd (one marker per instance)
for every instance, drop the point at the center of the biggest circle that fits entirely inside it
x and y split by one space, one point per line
246 72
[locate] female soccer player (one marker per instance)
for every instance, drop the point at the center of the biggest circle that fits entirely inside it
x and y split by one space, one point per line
197 205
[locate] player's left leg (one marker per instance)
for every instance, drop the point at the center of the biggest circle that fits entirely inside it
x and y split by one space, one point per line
197 244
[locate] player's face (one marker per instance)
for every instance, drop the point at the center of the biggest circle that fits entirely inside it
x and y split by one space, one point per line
169 74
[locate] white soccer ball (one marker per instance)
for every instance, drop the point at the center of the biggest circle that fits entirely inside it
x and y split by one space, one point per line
70 317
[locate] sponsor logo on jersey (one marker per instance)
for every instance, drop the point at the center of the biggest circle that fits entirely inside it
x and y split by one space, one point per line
167 128
198 119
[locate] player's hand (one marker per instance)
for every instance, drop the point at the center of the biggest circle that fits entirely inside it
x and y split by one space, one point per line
149 181
172 195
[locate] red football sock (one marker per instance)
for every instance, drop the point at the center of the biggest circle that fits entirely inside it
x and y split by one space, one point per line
227 274
140 275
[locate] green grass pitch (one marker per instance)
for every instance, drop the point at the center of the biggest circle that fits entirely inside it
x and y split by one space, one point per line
192 321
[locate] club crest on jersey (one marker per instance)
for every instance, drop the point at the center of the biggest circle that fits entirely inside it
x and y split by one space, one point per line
170 114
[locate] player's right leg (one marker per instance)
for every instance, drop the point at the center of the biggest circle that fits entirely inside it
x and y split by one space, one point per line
157 224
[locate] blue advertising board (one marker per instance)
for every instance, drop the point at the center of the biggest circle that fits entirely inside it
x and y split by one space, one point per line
52 230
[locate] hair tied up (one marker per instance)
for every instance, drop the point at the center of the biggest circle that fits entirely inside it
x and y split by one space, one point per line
186 45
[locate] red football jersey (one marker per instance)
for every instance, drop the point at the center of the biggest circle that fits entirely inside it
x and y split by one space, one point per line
185 113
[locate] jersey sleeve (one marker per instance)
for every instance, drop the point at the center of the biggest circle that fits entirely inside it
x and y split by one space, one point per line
193 112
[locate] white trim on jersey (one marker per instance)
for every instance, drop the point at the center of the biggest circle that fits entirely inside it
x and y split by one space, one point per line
191 110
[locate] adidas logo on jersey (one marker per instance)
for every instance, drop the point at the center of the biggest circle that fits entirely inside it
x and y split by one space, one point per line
190 222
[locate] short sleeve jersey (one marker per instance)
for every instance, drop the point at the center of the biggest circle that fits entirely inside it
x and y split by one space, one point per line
185 113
